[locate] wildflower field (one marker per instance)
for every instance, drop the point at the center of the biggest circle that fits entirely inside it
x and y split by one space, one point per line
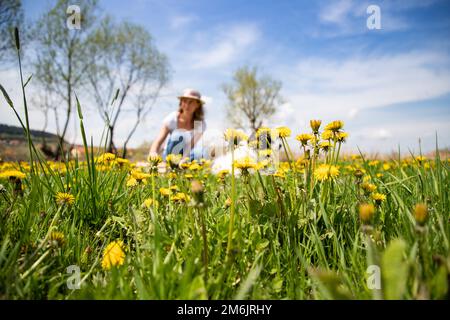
318 226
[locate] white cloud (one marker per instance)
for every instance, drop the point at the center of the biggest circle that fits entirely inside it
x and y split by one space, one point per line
353 113
181 21
404 133
336 11
219 49
336 87
381 133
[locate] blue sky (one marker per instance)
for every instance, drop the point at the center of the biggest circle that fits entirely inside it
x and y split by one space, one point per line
390 86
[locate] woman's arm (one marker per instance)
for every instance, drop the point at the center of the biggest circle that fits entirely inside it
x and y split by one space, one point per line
156 145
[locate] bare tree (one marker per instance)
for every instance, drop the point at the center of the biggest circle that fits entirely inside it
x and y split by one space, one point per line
251 99
11 15
62 58
129 70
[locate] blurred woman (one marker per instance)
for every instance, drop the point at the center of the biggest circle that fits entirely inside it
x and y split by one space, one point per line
183 127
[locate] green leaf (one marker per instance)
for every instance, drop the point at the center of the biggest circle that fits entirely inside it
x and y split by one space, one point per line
80 115
245 287
330 285
394 270
277 284
115 96
262 245
7 98
28 80
255 207
17 38
439 284
197 290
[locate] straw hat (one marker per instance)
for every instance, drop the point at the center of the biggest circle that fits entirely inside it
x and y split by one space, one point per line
192 94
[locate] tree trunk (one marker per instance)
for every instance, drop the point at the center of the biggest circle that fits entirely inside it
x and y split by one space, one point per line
111 148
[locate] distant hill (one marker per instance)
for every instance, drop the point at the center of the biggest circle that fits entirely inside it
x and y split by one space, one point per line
14 132
14 146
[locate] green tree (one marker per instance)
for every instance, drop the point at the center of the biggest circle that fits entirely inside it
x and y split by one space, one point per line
62 59
127 61
251 98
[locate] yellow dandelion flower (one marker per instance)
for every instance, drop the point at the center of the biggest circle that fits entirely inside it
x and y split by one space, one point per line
12 174
174 160
113 255
140 176
235 136
374 163
261 164
132 182
366 212
265 131
335 125
327 135
301 163
222 173
57 238
386 166
188 176
122 162
181 197
171 175
149 203
280 174
368 187
227 203
195 167
421 213
304 138
154 160
245 164
185 165
284 132
63 198
358 173
106 158
325 145
378 197
315 125
421 159
342 136
325 172
165 192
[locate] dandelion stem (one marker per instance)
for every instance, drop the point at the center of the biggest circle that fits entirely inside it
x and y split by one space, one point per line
232 207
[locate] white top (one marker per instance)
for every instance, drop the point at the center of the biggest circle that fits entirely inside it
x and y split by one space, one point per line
171 122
